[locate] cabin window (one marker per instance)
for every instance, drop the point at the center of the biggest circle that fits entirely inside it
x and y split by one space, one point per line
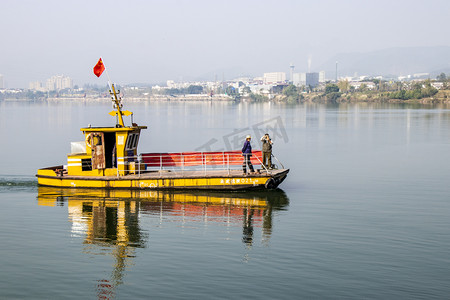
132 141
86 164
136 138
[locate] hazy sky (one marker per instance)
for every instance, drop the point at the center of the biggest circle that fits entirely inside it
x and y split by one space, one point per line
152 41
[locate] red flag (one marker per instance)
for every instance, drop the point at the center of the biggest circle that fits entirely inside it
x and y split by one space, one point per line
99 68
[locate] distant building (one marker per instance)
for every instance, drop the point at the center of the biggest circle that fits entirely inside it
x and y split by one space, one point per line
2 86
258 80
156 88
322 76
422 75
312 79
261 89
299 79
357 84
437 85
274 77
59 82
402 78
170 84
36 86
291 78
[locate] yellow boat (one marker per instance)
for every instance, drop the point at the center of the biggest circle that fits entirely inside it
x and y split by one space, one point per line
108 159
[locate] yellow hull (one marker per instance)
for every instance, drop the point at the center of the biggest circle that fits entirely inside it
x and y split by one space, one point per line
49 196
47 177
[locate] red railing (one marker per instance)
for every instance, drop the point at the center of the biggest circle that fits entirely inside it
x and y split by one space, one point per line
188 159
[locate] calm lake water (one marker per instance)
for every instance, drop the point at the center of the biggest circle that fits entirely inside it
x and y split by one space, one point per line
363 214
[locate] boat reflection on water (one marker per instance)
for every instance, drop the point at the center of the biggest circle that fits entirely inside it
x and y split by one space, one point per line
111 218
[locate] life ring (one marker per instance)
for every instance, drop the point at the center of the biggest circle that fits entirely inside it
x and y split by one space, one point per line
88 140
271 184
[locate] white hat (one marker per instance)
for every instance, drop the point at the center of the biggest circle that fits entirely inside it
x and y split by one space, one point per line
248 137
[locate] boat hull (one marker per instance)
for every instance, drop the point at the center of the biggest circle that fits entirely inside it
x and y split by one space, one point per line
218 180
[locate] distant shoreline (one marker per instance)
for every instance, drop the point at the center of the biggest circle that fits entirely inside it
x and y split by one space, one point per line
128 99
144 99
442 97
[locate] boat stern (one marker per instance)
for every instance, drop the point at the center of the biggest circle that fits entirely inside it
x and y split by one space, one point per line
51 176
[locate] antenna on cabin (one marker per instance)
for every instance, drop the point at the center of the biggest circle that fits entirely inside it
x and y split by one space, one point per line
117 105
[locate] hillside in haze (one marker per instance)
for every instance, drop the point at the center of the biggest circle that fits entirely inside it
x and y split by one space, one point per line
392 61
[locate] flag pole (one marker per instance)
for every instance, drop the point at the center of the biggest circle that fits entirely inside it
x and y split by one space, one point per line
115 98
107 74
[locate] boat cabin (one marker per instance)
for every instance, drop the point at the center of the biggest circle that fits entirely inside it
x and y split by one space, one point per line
106 151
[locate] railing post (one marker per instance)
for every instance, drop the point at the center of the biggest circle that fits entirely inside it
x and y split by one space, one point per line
204 160
223 160
246 158
182 164
277 161
262 164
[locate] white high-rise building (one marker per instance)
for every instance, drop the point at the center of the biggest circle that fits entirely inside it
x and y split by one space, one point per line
299 79
1 82
37 86
274 77
322 76
59 82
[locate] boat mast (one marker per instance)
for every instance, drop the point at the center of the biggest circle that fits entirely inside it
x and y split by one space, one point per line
117 104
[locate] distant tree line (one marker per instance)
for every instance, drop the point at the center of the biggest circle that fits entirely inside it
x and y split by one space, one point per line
258 97
441 77
192 89
292 94
418 91
27 94
332 92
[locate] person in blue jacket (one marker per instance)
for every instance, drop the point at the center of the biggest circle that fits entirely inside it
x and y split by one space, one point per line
247 153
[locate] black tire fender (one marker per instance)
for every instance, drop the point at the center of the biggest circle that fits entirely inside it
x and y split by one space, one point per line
270 184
